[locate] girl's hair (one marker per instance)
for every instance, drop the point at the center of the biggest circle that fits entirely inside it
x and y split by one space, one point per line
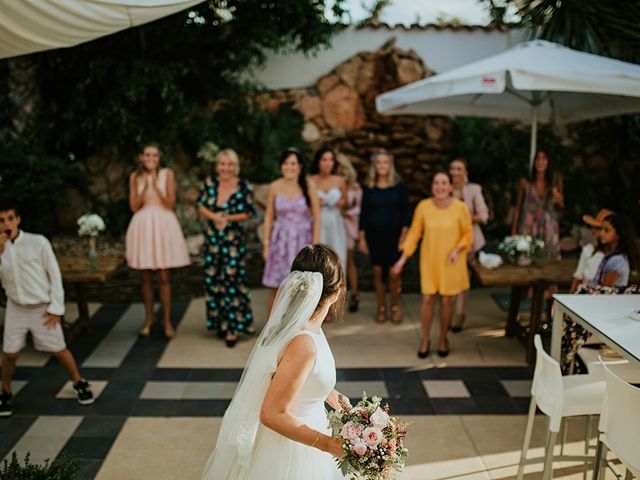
548 174
394 178
320 258
302 178
348 171
144 146
443 172
315 165
231 155
627 243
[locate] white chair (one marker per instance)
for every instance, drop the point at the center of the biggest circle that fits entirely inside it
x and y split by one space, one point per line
619 425
558 397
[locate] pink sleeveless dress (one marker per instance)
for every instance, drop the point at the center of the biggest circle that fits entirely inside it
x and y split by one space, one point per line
154 238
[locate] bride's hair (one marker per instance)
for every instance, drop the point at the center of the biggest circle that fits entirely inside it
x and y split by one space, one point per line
322 259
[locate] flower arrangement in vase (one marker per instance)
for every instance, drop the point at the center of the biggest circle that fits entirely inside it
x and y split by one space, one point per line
90 225
521 249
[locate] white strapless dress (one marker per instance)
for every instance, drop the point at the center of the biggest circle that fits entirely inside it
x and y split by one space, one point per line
278 458
332 232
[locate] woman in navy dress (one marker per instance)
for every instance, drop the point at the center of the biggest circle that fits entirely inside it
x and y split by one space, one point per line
384 220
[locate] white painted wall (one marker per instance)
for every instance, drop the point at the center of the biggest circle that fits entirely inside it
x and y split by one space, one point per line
440 49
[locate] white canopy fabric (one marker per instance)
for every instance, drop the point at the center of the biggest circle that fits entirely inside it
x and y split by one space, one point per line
28 26
533 82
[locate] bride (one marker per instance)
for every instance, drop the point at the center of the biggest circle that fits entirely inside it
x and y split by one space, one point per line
276 426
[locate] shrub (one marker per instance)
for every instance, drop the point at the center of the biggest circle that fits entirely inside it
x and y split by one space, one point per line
65 467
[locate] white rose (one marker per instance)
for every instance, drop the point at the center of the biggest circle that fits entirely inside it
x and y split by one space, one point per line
379 418
522 245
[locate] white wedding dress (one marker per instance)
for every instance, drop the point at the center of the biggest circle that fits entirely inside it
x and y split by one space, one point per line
332 230
246 449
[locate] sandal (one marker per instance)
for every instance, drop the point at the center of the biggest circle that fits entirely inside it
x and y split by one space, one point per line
145 329
353 303
396 314
382 315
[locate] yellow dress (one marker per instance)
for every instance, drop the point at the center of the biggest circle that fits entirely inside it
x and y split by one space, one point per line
441 230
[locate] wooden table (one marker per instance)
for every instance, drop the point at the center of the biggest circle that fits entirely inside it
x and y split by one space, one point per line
75 270
538 277
605 315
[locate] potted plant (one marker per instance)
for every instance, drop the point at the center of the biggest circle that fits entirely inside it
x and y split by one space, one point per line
521 249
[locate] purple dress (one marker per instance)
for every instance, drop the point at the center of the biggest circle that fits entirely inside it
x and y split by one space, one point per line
291 232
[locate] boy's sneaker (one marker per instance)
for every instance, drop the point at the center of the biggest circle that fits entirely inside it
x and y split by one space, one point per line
84 393
6 404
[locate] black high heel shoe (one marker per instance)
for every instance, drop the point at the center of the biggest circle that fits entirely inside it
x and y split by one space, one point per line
353 303
231 342
445 352
424 354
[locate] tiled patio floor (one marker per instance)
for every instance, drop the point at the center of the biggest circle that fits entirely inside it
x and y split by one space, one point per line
160 403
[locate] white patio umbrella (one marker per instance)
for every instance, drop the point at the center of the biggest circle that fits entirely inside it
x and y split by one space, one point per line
28 26
534 82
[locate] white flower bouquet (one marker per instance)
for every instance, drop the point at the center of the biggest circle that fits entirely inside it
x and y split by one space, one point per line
515 247
373 441
90 225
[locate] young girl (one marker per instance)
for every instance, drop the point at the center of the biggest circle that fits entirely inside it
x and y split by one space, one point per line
154 238
622 253
276 425
291 220
592 253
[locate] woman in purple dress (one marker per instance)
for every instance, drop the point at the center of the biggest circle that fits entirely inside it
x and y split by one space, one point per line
291 220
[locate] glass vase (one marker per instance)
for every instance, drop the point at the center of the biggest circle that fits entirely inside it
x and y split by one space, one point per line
92 255
524 260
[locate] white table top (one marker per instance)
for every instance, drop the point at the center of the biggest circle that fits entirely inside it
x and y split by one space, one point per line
608 316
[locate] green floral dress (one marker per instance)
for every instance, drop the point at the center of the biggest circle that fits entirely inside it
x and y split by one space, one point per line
227 297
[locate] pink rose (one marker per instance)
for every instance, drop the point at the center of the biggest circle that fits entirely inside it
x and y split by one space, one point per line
359 448
380 418
372 436
351 431
360 411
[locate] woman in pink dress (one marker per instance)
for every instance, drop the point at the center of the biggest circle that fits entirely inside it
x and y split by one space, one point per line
351 215
154 238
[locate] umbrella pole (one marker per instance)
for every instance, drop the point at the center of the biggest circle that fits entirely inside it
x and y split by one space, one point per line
534 135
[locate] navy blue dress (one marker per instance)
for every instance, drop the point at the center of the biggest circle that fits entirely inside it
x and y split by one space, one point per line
385 212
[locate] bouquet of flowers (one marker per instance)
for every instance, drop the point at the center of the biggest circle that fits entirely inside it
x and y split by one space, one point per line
373 441
516 246
90 225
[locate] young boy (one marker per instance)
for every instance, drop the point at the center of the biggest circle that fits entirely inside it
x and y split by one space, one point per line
31 278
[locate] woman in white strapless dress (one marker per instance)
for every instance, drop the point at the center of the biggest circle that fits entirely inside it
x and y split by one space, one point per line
276 427
332 192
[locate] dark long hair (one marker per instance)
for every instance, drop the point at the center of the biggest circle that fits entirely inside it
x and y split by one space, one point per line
315 165
627 243
549 174
302 178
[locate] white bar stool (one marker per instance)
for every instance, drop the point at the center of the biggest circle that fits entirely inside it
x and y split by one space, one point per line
558 397
619 425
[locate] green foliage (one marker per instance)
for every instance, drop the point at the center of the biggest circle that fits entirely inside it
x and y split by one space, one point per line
259 135
33 180
154 81
64 467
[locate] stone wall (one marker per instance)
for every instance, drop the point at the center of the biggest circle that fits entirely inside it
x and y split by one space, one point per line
339 110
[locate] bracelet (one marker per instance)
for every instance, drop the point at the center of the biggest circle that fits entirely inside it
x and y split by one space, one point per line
316 441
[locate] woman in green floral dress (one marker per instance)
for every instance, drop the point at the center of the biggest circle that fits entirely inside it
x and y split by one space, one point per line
225 202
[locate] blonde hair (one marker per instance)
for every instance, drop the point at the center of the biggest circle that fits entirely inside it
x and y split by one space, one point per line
348 171
231 155
394 177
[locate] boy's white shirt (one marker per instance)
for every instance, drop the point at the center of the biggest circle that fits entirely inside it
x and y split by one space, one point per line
30 274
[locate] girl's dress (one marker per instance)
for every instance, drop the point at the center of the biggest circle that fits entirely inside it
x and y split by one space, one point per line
441 230
291 232
228 299
154 239
332 232
352 214
385 212
276 457
539 219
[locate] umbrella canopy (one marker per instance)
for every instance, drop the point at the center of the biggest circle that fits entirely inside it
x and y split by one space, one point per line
533 82
32 26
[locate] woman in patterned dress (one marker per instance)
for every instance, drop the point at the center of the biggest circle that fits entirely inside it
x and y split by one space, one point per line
538 204
226 202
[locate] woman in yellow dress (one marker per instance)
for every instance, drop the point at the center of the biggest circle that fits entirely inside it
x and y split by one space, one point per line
444 224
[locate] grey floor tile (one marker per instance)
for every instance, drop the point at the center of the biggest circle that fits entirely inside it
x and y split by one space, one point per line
163 390
517 388
446 389
354 389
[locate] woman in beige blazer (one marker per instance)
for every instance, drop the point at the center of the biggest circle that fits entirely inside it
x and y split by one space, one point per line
471 195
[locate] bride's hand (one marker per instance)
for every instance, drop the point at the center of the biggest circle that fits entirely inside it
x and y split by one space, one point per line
334 447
